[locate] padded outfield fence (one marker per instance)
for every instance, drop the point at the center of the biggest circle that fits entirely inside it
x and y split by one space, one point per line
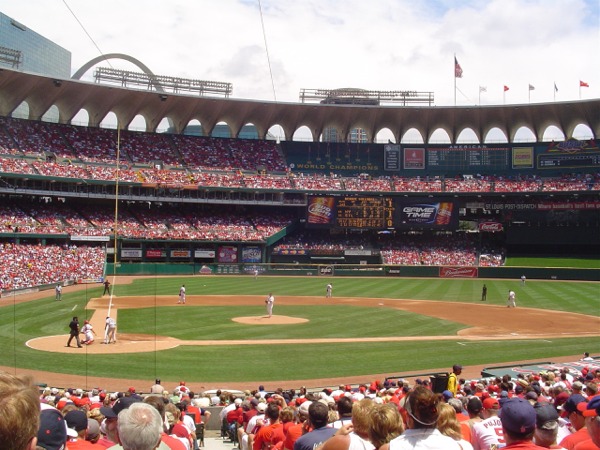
370 270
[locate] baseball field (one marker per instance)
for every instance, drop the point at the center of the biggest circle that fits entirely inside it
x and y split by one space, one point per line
221 337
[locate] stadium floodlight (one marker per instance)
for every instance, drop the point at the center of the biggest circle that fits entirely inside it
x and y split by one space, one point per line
354 96
162 83
12 57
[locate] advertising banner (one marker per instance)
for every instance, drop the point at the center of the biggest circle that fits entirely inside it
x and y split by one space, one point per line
490 226
320 211
155 253
458 272
426 214
180 253
251 254
522 158
200 253
131 253
227 254
414 158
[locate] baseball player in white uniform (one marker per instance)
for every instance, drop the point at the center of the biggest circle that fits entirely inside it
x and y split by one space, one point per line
182 294
88 332
511 301
269 302
110 335
328 290
488 434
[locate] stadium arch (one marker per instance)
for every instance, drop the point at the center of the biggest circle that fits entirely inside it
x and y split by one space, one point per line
71 95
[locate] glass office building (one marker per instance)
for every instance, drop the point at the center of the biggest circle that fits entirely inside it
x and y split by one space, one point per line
24 49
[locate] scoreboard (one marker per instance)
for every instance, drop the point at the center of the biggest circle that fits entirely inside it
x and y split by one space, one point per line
380 212
468 157
571 160
364 212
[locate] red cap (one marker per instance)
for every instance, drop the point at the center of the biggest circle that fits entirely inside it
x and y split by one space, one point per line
491 403
132 390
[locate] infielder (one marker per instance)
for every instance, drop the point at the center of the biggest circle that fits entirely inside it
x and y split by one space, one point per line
510 302
58 292
182 294
269 302
328 290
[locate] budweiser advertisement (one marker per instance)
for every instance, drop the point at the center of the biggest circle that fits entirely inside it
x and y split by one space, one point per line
490 227
320 210
458 272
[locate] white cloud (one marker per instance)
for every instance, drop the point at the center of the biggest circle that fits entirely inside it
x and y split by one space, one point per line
378 45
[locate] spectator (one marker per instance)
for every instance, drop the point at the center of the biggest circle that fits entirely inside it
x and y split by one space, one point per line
546 428
19 413
386 424
140 427
422 406
592 420
518 424
318 414
449 425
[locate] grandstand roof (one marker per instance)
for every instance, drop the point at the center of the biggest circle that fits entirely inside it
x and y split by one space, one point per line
71 96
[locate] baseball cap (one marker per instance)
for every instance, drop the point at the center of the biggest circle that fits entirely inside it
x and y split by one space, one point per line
303 409
93 429
546 416
261 407
591 408
52 433
447 395
456 367
518 416
571 404
121 404
491 403
76 421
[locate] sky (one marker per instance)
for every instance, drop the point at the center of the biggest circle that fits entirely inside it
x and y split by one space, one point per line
329 44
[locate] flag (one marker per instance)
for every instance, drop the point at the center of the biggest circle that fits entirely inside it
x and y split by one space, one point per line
531 87
505 88
457 69
583 84
482 89
555 88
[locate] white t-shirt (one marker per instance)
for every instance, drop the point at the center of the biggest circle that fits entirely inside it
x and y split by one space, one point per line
423 439
487 432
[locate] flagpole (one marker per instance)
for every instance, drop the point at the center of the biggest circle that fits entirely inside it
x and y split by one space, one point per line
455 81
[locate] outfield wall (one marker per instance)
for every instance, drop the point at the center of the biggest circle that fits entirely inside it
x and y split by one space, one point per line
371 270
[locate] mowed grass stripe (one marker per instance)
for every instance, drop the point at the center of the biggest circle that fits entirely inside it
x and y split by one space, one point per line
23 321
327 321
258 363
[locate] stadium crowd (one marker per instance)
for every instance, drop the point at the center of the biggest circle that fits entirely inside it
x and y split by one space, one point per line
555 408
57 150
26 265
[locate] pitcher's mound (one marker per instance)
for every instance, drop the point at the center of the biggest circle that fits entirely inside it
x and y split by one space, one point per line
266 320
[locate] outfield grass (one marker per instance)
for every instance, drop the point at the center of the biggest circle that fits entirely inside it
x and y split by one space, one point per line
253 363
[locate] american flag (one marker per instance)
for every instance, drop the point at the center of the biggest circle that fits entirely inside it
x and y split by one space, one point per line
457 69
